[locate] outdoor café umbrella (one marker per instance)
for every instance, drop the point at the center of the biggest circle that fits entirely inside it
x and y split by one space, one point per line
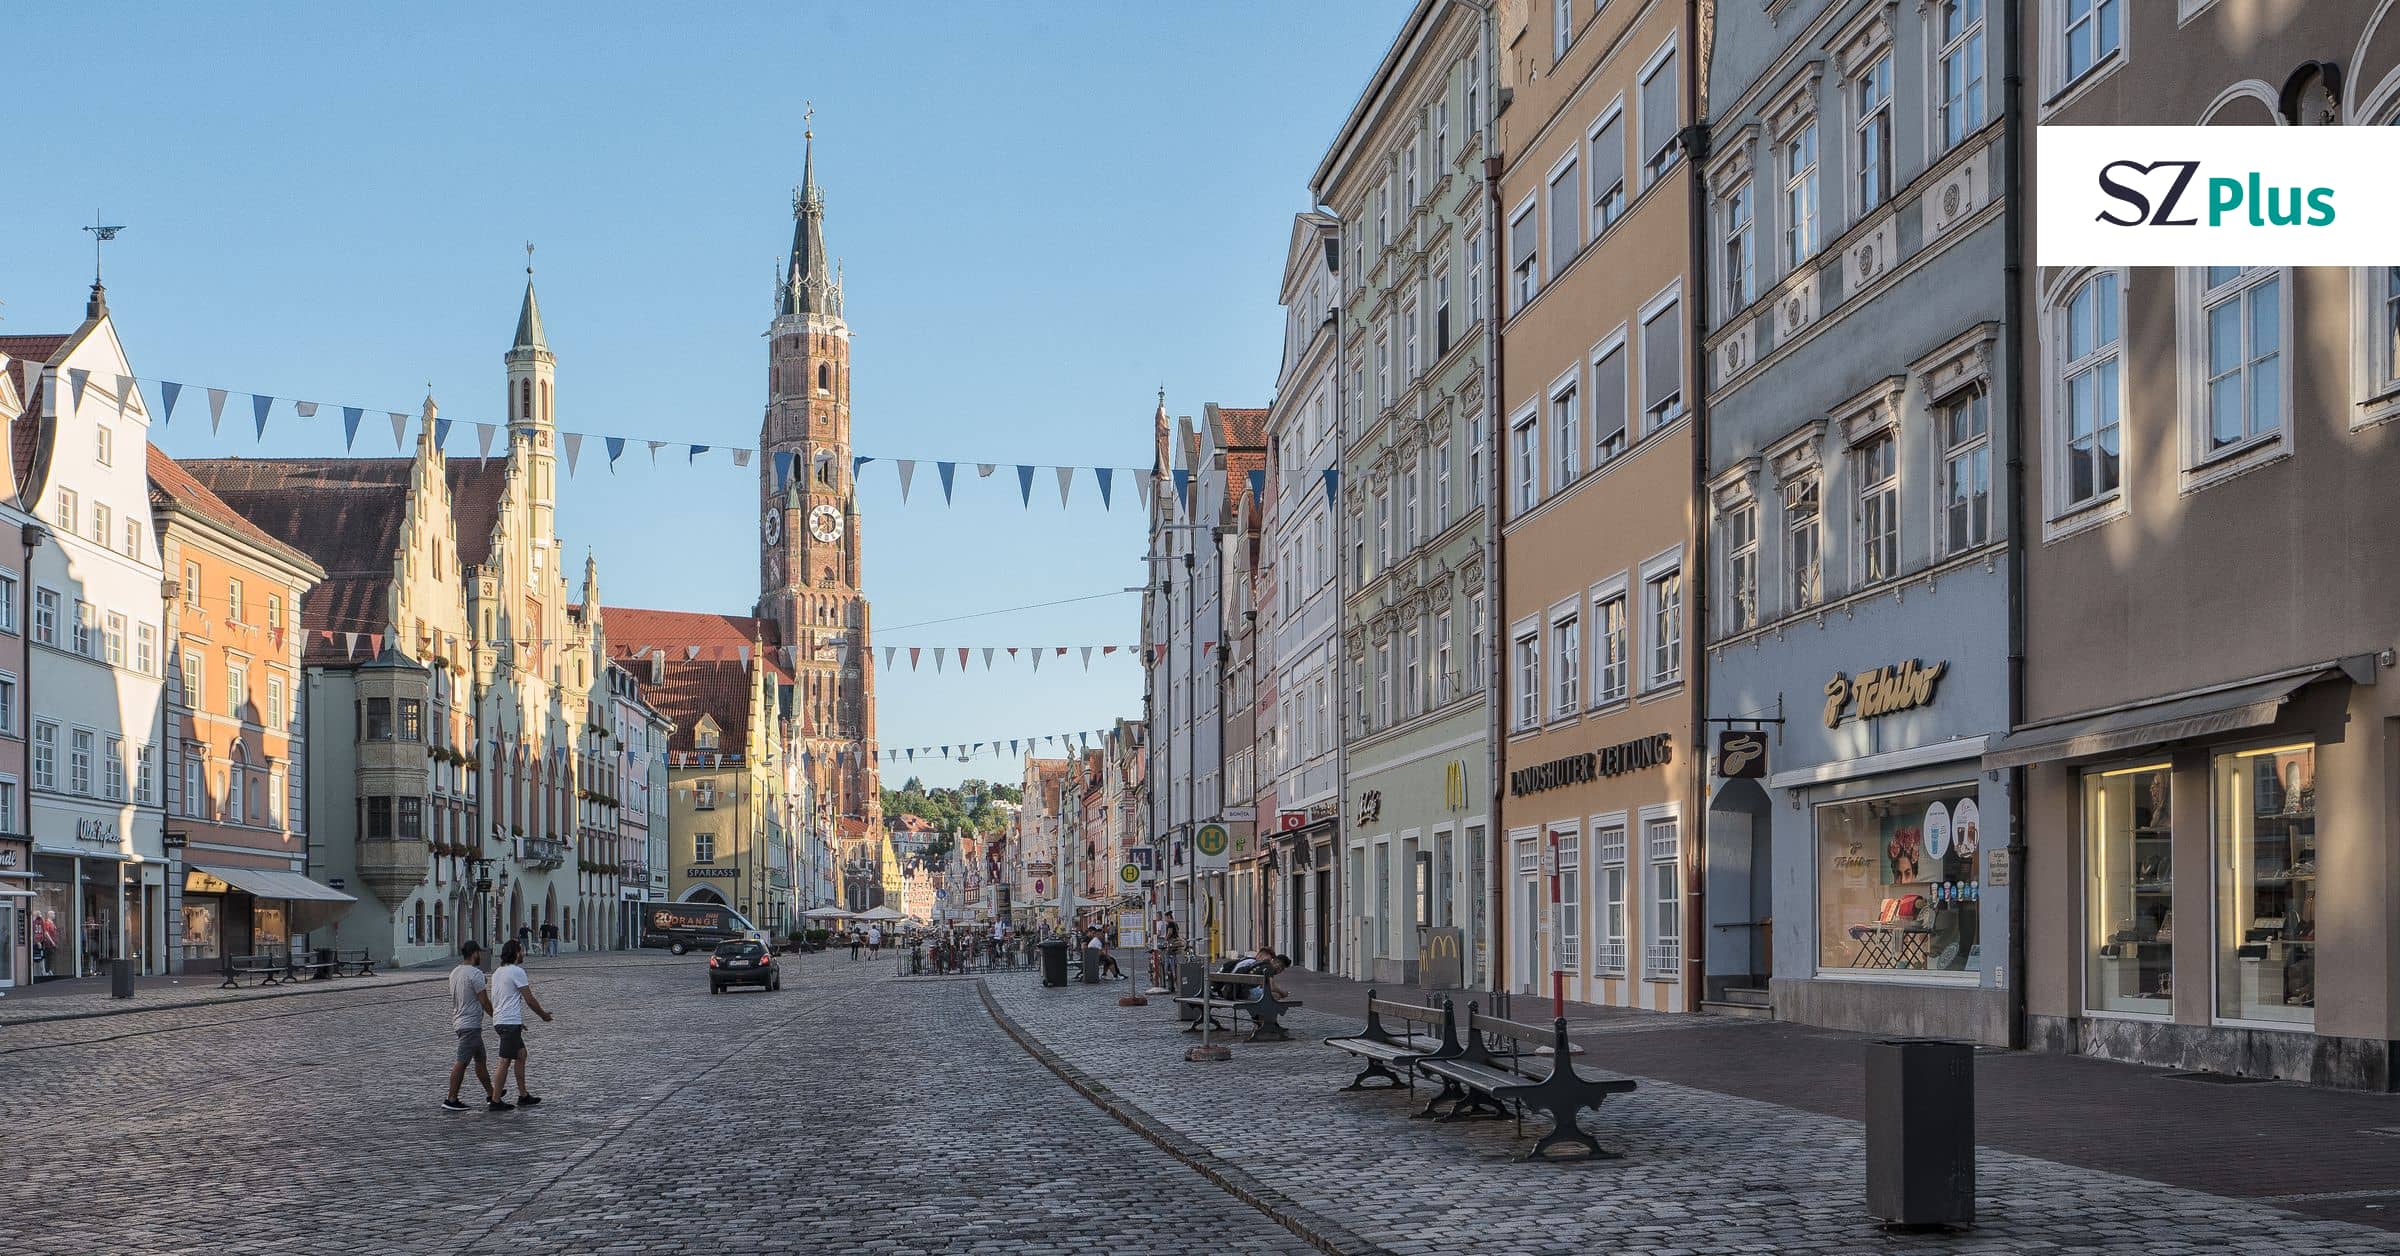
825 913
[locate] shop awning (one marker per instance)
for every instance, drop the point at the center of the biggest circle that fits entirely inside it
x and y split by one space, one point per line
2253 704
271 884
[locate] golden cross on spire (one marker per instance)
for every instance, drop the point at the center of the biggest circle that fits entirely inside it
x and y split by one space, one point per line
808 116
529 257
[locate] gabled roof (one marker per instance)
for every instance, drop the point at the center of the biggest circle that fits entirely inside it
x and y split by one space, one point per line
1241 428
35 352
171 485
705 688
689 688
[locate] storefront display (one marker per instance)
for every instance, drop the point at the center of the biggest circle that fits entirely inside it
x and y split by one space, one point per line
2129 890
200 926
2266 844
1899 883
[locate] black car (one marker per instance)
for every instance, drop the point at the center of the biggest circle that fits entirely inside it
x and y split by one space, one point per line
744 962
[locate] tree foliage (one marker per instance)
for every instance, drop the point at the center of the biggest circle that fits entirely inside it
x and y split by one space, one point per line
970 807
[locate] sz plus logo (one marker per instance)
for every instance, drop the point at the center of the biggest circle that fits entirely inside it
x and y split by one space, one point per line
2136 199
2216 196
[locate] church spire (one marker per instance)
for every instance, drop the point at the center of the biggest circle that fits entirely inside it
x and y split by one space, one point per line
529 318
809 284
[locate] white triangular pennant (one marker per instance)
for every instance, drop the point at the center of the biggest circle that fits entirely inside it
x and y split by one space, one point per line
987 658
216 408
1143 484
483 440
1066 481
399 429
908 471
574 444
1087 658
305 409
983 470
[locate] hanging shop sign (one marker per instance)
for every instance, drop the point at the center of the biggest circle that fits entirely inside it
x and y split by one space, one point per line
1288 821
1654 751
1898 687
1370 806
1742 754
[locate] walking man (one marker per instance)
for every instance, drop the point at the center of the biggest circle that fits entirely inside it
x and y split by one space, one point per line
874 940
512 993
470 1001
550 939
857 940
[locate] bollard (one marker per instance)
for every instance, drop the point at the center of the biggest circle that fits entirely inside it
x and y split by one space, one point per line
1921 1133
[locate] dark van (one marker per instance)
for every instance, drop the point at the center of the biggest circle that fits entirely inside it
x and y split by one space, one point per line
681 927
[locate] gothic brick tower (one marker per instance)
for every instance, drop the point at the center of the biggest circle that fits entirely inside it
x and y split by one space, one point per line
809 571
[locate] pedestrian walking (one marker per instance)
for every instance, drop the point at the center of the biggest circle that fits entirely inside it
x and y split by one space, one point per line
857 940
874 940
512 993
470 1002
549 939
525 939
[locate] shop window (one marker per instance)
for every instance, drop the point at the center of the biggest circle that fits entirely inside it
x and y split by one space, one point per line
200 927
1899 883
2129 890
2266 845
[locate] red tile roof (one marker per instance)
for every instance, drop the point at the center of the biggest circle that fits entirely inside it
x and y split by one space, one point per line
25 440
1241 427
346 513
691 687
171 484
705 687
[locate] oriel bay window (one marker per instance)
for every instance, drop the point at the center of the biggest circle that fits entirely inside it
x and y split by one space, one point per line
2129 882
2266 882
1899 883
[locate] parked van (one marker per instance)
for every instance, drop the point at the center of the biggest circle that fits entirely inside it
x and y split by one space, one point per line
681 927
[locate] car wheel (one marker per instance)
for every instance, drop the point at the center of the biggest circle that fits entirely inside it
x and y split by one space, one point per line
677 948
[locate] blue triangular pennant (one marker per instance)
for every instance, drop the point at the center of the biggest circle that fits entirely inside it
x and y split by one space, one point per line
168 391
857 461
1258 486
1183 488
694 456
949 472
441 432
1106 476
350 418
259 405
783 469
616 448
1333 485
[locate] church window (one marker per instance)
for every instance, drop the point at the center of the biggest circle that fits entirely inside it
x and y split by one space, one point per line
525 399
824 377
545 401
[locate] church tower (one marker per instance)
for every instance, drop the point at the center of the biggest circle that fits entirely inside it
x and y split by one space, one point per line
532 372
809 570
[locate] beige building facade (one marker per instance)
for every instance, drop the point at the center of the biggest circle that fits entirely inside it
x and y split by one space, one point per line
1599 644
2207 741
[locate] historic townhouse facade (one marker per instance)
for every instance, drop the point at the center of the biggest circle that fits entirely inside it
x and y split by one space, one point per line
448 640
1857 424
2206 743
236 744
90 600
635 749
1601 527
1300 607
1413 422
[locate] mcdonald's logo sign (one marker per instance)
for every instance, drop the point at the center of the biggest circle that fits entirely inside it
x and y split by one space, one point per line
1454 785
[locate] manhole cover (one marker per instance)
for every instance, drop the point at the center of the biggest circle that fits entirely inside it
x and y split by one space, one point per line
2218 1079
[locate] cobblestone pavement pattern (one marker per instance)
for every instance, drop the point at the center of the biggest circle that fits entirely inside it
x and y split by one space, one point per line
847 1113
1702 1172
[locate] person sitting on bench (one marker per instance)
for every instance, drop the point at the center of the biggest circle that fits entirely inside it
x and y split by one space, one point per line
1262 962
1095 953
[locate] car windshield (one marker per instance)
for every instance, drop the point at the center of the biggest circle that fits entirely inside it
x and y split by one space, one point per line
741 950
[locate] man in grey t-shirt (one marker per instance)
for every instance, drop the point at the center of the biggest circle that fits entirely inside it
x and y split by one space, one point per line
470 1002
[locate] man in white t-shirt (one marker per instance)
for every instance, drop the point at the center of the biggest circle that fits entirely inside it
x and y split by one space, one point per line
512 993
470 1002
874 939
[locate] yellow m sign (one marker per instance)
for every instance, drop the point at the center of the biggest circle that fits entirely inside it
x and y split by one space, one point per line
1454 785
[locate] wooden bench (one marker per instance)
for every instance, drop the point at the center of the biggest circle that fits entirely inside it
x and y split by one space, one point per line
305 964
1522 1075
359 963
1383 1049
1255 998
266 967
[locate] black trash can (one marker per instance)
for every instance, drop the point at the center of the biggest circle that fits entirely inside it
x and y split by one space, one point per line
1921 1132
120 979
1091 966
1054 962
325 957
1190 976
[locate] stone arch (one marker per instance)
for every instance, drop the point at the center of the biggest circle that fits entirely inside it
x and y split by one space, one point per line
703 894
2375 68
824 377
2251 102
549 907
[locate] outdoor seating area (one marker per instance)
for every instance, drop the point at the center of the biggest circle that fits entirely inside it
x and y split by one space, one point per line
290 964
1500 1068
1244 994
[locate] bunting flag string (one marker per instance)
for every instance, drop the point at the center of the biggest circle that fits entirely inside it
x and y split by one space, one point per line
1186 482
965 750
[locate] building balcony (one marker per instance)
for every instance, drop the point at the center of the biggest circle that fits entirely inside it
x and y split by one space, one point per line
543 852
392 867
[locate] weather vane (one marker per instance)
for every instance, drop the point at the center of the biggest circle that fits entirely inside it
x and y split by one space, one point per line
101 234
529 257
808 117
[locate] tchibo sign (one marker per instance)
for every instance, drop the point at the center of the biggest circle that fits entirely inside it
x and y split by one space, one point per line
2217 196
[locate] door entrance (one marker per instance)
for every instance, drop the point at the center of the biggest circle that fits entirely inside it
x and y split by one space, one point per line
1296 904
1323 943
8 944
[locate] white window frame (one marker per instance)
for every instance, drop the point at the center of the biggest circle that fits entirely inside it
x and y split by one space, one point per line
2073 30
1619 340
2203 461
1565 838
1441 486
1662 959
1525 663
1739 523
1565 436
1612 882
1412 672
1526 452
1737 246
1971 46
1948 453
1612 645
1607 199
1565 669
1877 498
1871 120
1650 310
1803 202
1445 685
1524 273
1666 647
2375 356
2058 372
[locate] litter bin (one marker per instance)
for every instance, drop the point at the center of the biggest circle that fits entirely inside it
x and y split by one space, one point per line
1190 976
1091 967
120 979
1054 962
1921 1132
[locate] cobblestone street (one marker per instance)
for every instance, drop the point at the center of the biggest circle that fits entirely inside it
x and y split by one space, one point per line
857 1112
847 1112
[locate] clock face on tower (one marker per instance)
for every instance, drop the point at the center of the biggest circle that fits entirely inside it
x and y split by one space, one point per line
770 526
824 523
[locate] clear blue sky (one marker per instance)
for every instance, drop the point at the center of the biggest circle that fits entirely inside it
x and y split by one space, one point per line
1047 210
